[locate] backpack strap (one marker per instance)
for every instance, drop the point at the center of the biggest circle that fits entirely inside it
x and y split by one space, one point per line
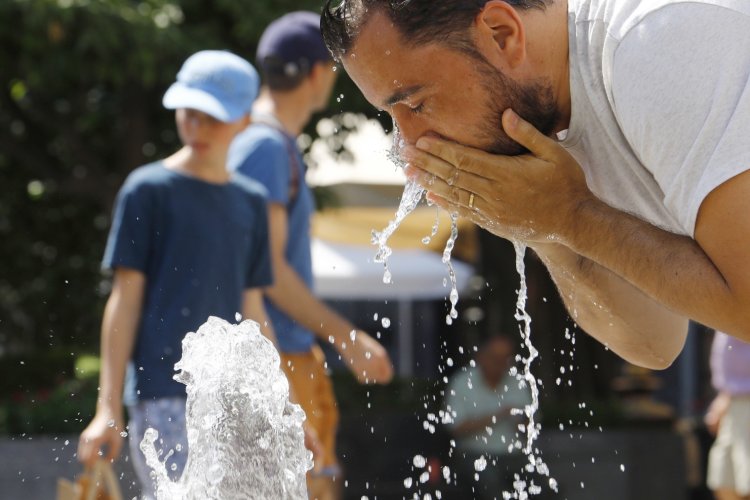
295 169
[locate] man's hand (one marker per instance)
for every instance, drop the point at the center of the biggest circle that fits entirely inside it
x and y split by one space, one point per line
532 197
365 357
103 432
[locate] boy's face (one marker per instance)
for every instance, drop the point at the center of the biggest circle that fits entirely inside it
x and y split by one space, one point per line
205 135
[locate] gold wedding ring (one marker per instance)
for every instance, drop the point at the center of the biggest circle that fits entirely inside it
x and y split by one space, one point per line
471 200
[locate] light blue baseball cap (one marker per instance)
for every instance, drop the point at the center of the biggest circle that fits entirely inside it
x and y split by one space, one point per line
215 82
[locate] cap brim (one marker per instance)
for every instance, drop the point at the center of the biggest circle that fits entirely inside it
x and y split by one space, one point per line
180 96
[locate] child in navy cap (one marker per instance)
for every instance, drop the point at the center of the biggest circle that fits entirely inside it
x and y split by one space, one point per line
188 241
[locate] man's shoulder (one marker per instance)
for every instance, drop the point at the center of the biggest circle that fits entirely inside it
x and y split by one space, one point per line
621 16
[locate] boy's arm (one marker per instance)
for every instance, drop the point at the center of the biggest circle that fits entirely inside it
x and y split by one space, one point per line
363 355
119 326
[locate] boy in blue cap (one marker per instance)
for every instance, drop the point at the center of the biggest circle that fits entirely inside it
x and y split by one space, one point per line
298 78
188 241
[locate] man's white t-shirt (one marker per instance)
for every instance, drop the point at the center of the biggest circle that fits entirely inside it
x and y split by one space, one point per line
660 93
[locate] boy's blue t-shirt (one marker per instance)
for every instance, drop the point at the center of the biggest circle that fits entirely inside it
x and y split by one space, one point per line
264 154
200 245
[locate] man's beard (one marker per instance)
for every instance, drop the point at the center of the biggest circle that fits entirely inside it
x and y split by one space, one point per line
534 102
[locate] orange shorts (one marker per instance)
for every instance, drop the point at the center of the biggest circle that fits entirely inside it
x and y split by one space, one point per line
308 377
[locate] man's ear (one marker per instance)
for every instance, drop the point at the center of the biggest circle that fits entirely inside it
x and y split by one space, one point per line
501 35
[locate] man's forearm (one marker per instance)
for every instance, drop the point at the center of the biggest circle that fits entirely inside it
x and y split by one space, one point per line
628 283
613 311
670 268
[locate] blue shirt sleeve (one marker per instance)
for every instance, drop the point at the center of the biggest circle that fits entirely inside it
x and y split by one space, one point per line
128 243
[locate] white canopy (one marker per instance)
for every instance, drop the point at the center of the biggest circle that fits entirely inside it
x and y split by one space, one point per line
344 271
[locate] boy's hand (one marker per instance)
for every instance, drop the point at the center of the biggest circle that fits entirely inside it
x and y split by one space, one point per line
102 432
365 357
312 442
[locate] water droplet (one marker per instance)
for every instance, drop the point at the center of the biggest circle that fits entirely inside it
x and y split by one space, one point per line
419 461
446 472
480 464
386 322
553 484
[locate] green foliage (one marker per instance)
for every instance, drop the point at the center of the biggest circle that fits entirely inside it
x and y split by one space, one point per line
63 410
47 392
81 83
80 106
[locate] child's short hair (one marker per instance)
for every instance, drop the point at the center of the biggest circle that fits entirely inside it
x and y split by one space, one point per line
215 82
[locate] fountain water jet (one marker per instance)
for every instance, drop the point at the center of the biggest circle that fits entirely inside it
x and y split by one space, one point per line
245 439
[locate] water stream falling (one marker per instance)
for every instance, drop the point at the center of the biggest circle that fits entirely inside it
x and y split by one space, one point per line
531 427
245 439
410 199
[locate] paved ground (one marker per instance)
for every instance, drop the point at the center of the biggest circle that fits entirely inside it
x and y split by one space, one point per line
588 465
29 467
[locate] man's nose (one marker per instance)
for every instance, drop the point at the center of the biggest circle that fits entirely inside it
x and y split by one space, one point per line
409 126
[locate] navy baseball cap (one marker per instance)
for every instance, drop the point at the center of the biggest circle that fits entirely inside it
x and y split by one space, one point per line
292 44
215 82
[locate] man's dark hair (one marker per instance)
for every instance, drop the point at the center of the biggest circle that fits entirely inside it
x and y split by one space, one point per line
418 21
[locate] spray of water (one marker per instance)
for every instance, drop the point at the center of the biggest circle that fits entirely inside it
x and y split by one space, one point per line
410 199
245 439
527 378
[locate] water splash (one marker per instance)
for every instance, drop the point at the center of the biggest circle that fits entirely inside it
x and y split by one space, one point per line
410 199
532 427
245 439
453 313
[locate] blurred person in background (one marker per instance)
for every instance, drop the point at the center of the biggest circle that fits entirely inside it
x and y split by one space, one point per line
298 77
728 418
178 258
479 401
